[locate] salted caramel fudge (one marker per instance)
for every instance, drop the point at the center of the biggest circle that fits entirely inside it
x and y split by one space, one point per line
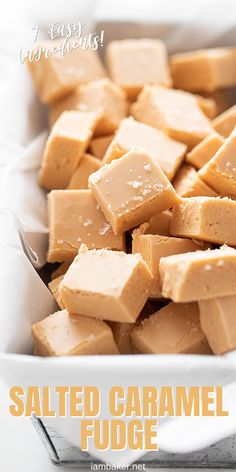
206 69
57 75
220 171
61 269
176 112
167 152
109 285
153 247
102 96
158 224
217 318
199 275
205 150
205 218
132 63
226 122
99 145
131 189
64 334
75 219
65 146
188 184
208 106
53 287
175 329
87 165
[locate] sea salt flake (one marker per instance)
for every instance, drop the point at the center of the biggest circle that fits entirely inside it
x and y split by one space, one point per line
134 183
104 229
147 167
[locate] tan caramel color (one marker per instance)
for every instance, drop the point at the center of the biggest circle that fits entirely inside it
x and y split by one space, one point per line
205 218
226 122
106 284
175 112
208 106
74 218
205 150
220 171
132 63
58 75
188 184
168 153
99 145
101 96
131 189
206 69
53 287
87 165
65 146
61 270
159 224
62 334
218 318
199 275
153 247
175 329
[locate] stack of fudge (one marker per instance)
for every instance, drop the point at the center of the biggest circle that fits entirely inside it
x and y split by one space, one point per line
142 149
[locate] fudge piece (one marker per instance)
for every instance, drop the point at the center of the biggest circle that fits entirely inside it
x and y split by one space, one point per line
57 75
158 224
206 69
175 112
63 334
199 275
226 122
208 106
131 189
205 218
220 171
87 165
110 285
65 146
53 287
99 145
188 184
175 329
223 98
153 247
169 154
102 96
132 63
205 150
74 218
61 270
218 318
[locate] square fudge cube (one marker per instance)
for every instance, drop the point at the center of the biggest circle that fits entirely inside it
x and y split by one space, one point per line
58 74
226 122
99 145
210 219
174 329
206 69
133 63
63 334
205 150
102 96
220 171
188 184
74 219
87 165
176 112
131 189
168 153
217 318
199 275
105 284
153 246
65 146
